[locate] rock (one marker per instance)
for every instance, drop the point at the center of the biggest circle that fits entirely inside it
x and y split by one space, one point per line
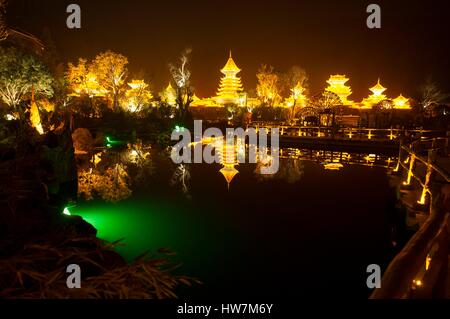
80 226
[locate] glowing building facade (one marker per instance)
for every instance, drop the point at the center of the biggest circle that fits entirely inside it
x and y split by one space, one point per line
402 102
376 97
227 154
297 98
230 90
169 95
337 85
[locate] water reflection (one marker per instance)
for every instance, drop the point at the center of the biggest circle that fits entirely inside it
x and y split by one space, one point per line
332 160
291 168
112 174
181 177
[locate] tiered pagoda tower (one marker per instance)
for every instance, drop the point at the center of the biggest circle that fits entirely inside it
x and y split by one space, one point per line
376 97
169 95
227 154
338 87
230 90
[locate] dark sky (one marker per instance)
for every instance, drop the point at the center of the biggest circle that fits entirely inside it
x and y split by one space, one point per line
324 37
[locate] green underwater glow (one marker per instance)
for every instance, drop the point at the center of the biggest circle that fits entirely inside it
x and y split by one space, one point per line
146 226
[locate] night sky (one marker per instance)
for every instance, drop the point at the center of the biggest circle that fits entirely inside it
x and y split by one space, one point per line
324 37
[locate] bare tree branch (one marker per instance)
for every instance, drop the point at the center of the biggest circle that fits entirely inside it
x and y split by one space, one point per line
431 94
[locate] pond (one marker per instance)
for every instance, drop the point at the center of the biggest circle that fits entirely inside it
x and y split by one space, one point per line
309 231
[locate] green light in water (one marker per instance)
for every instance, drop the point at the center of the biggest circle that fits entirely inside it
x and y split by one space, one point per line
66 211
110 142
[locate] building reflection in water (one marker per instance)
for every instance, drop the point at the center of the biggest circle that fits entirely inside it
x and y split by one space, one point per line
291 160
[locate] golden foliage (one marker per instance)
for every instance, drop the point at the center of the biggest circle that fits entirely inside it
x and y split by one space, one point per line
110 185
268 88
137 96
110 69
82 81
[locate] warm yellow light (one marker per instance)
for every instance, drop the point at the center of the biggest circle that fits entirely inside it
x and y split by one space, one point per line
401 102
230 90
169 95
137 96
427 263
97 158
337 85
333 166
35 118
376 97
297 97
392 136
423 197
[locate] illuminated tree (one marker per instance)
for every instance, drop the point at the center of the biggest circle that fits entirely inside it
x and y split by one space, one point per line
181 177
181 76
20 74
110 69
295 83
327 103
83 83
431 94
111 185
77 78
269 86
137 96
294 77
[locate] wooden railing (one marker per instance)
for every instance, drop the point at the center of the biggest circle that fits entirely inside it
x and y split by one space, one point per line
415 272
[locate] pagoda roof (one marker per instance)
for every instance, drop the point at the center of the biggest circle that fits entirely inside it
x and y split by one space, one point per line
231 66
378 87
229 172
337 79
401 99
135 84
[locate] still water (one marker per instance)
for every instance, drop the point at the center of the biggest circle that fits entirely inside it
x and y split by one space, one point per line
309 231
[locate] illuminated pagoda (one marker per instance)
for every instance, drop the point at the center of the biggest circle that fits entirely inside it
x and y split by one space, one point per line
228 159
376 97
230 90
169 95
137 84
338 87
196 101
402 103
90 87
